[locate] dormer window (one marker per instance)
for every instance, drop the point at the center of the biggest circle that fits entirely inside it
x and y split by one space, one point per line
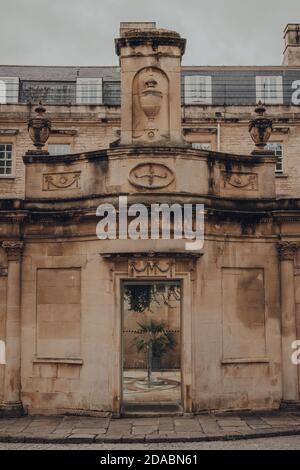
197 89
269 89
9 90
89 91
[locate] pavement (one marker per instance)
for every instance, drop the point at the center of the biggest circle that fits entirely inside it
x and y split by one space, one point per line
266 443
191 428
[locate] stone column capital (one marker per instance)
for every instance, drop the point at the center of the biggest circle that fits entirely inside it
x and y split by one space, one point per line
14 249
287 250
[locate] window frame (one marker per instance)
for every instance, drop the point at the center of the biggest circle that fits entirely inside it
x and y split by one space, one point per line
5 141
269 147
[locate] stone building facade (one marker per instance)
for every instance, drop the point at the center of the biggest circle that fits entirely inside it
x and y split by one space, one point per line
169 134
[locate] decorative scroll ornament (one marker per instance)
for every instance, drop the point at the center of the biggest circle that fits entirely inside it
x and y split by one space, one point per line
287 250
248 181
151 176
14 249
57 181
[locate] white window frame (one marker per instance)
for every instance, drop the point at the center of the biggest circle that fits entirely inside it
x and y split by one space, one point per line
56 144
201 145
269 89
89 91
197 89
11 174
279 169
9 90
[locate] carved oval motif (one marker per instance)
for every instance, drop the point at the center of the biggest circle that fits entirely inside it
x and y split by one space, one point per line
151 175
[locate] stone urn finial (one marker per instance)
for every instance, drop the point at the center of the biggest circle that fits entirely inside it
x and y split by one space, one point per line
260 128
39 129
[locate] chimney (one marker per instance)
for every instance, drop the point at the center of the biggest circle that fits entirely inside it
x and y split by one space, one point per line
291 53
127 26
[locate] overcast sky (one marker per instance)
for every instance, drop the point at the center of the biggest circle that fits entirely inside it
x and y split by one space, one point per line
81 32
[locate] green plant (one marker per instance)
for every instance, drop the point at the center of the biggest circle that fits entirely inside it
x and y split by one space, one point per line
155 341
139 297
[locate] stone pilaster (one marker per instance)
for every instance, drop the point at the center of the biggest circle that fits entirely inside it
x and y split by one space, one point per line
286 251
12 404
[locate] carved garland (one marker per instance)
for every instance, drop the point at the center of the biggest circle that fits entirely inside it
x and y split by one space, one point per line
56 181
150 267
247 181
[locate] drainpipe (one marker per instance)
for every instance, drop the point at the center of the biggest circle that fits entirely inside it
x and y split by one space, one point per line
218 116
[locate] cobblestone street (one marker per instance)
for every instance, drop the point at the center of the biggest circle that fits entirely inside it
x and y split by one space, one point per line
203 427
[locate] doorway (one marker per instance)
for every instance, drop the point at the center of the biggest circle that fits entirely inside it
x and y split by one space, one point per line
151 346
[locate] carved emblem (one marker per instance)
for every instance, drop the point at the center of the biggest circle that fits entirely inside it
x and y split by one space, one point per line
247 181
151 176
56 181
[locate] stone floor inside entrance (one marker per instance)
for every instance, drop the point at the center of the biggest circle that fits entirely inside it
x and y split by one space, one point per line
164 387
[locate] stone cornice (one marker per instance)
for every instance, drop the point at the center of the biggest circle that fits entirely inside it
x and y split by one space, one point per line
156 38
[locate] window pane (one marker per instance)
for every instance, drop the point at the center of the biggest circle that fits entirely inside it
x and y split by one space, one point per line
201 145
59 149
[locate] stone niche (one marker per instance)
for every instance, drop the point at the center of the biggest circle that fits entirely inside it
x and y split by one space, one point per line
150 106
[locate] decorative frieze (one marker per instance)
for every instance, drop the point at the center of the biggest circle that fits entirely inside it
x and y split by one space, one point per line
246 181
61 181
287 250
150 267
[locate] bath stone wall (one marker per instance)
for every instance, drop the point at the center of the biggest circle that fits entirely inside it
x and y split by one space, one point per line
67 311
243 319
236 326
58 313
